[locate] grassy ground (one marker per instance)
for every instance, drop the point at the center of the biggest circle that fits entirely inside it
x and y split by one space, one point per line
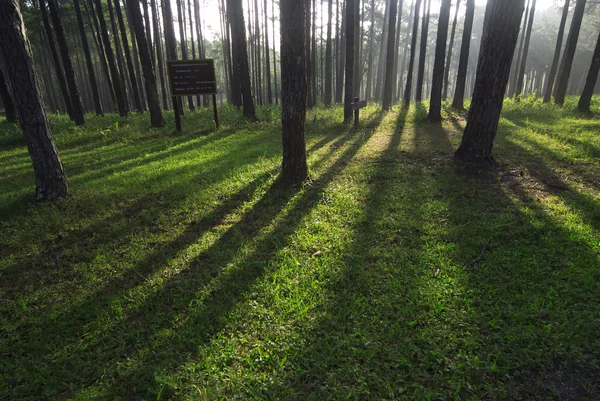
179 267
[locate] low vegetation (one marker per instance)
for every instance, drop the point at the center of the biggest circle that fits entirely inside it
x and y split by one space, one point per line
179 267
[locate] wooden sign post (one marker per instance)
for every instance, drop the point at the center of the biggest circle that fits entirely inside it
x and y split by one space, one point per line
192 77
356 106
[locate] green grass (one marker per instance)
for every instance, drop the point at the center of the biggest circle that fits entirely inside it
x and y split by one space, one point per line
180 267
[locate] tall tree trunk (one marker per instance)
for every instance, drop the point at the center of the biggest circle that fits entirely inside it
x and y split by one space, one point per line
590 83
62 81
309 71
10 112
349 90
435 106
497 50
423 54
136 60
559 39
523 63
411 60
357 76
382 52
274 55
114 72
293 89
136 93
396 61
183 41
159 53
119 53
328 60
267 58
516 65
313 57
567 62
259 88
236 16
405 52
450 48
339 83
76 104
370 69
156 116
389 68
458 102
50 179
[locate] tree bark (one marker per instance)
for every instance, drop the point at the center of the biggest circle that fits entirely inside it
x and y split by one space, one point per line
307 47
450 48
559 39
493 69
411 60
119 53
423 54
370 69
523 62
567 62
396 62
349 90
339 83
274 55
389 68
458 102
435 106
328 60
267 56
590 83
159 54
10 112
293 89
50 179
137 101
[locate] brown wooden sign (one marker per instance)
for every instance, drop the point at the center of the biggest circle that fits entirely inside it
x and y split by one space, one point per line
192 77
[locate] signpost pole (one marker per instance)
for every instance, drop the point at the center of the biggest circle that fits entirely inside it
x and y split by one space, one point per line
177 114
214 98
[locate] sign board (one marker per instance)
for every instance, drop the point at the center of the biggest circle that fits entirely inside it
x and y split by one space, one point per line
359 105
192 77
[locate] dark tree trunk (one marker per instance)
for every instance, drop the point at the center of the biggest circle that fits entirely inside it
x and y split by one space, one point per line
523 62
382 52
183 41
370 69
293 89
119 53
349 90
267 58
328 60
389 61
274 55
313 58
9 106
156 116
357 29
405 52
148 27
309 72
259 87
450 48
62 81
590 83
88 60
136 60
493 69
236 89
76 104
411 60
114 72
516 65
423 54
236 17
561 33
435 106
565 70
458 102
339 83
159 54
50 179
137 101
396 61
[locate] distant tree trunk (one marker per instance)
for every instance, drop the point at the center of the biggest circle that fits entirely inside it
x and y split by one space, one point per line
293 89
114 72
136 60
565 70
458 102
76 104
435 107
497 50
396 61
313 57
10 112
137 101
516 65
339 83
274 55
405 52
523 62
561 33
50 179
349 90
590 83
423 53
328 60
156 116
382 52
389 68
159 54
267 58
236 17
183 41
357 29
307 38
62 81
411 60
259 88
119 53
450 48
370 69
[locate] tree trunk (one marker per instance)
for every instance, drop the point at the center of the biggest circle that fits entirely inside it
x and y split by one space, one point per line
119 53
382 52
274 55
450 48
50 179
307 38
313 57
458 102
328 60
136 93
267 58
493 69
389 68
404 53
114 72
293 89
339 83
411 60
523 62
423 54
516 65
349 90
590 83
396 61
561 33
10 112
370 69
156 116
565 70
435 106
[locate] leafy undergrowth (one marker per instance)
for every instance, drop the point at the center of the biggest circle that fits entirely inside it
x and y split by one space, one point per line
180 267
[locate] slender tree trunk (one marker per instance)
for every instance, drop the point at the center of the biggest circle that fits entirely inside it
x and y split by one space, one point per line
565 70
156 116
423 54
293 89
590 83
236 89
370 69
405 52
435 106
339 84
523 63
259 88
382 52
267 58
329 60
10 112
119 52
559 39
159 54
357 39
313 57
148 28
349 90
136 62
458 102
497 50
516 65
274 55
183 39
15 51
309 72
396 60
389 69
450 48
136 93
411 60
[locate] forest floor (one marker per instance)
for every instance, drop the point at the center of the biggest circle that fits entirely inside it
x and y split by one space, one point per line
179 267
